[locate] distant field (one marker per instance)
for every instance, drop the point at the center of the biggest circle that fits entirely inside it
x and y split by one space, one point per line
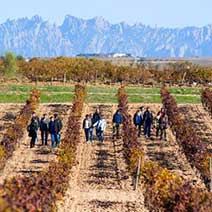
203 61
96 94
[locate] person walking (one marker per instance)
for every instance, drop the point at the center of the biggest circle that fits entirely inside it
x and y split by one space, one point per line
158 123
91 128
44 128
138 121
95 119
52 132
148 119
58 128
34 115
142 116
101 127
117 120
32 129
164 125
86 126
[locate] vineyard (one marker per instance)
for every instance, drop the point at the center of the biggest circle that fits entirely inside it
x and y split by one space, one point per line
126 174
94 70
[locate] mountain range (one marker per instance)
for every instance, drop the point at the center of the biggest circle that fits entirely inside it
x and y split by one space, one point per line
35 37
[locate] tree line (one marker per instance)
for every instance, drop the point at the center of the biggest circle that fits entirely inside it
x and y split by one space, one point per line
95 70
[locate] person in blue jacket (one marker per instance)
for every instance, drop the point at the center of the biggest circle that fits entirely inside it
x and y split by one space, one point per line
58 128
138 121
117 120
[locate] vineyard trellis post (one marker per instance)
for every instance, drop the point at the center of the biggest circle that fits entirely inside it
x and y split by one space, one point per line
51 80
138 173
64 78
210 168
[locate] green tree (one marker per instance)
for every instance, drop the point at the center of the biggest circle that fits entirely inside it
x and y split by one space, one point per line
20 58
10 65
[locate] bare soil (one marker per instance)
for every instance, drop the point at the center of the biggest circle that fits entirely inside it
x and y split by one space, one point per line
101 181
26 161
168 153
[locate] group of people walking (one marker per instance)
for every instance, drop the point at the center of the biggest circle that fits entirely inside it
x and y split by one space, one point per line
46 125
143 120
94 121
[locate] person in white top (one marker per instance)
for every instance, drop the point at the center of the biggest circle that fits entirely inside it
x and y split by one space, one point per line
86 126
101 127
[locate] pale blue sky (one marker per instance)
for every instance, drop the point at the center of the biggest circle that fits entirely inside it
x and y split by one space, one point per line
172 13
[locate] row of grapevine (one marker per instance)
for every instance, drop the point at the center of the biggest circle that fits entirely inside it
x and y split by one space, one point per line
16 131
194 148
164 190
132 147
40 191
207 100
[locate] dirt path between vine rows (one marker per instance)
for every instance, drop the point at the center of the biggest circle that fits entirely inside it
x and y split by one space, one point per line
8 114
201 122
168 153
100 181
26 161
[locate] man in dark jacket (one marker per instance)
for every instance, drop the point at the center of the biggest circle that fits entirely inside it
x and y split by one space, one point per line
32 129
148 119
52 132
138 121
44 128
34 115
58 128
96 117
117 120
